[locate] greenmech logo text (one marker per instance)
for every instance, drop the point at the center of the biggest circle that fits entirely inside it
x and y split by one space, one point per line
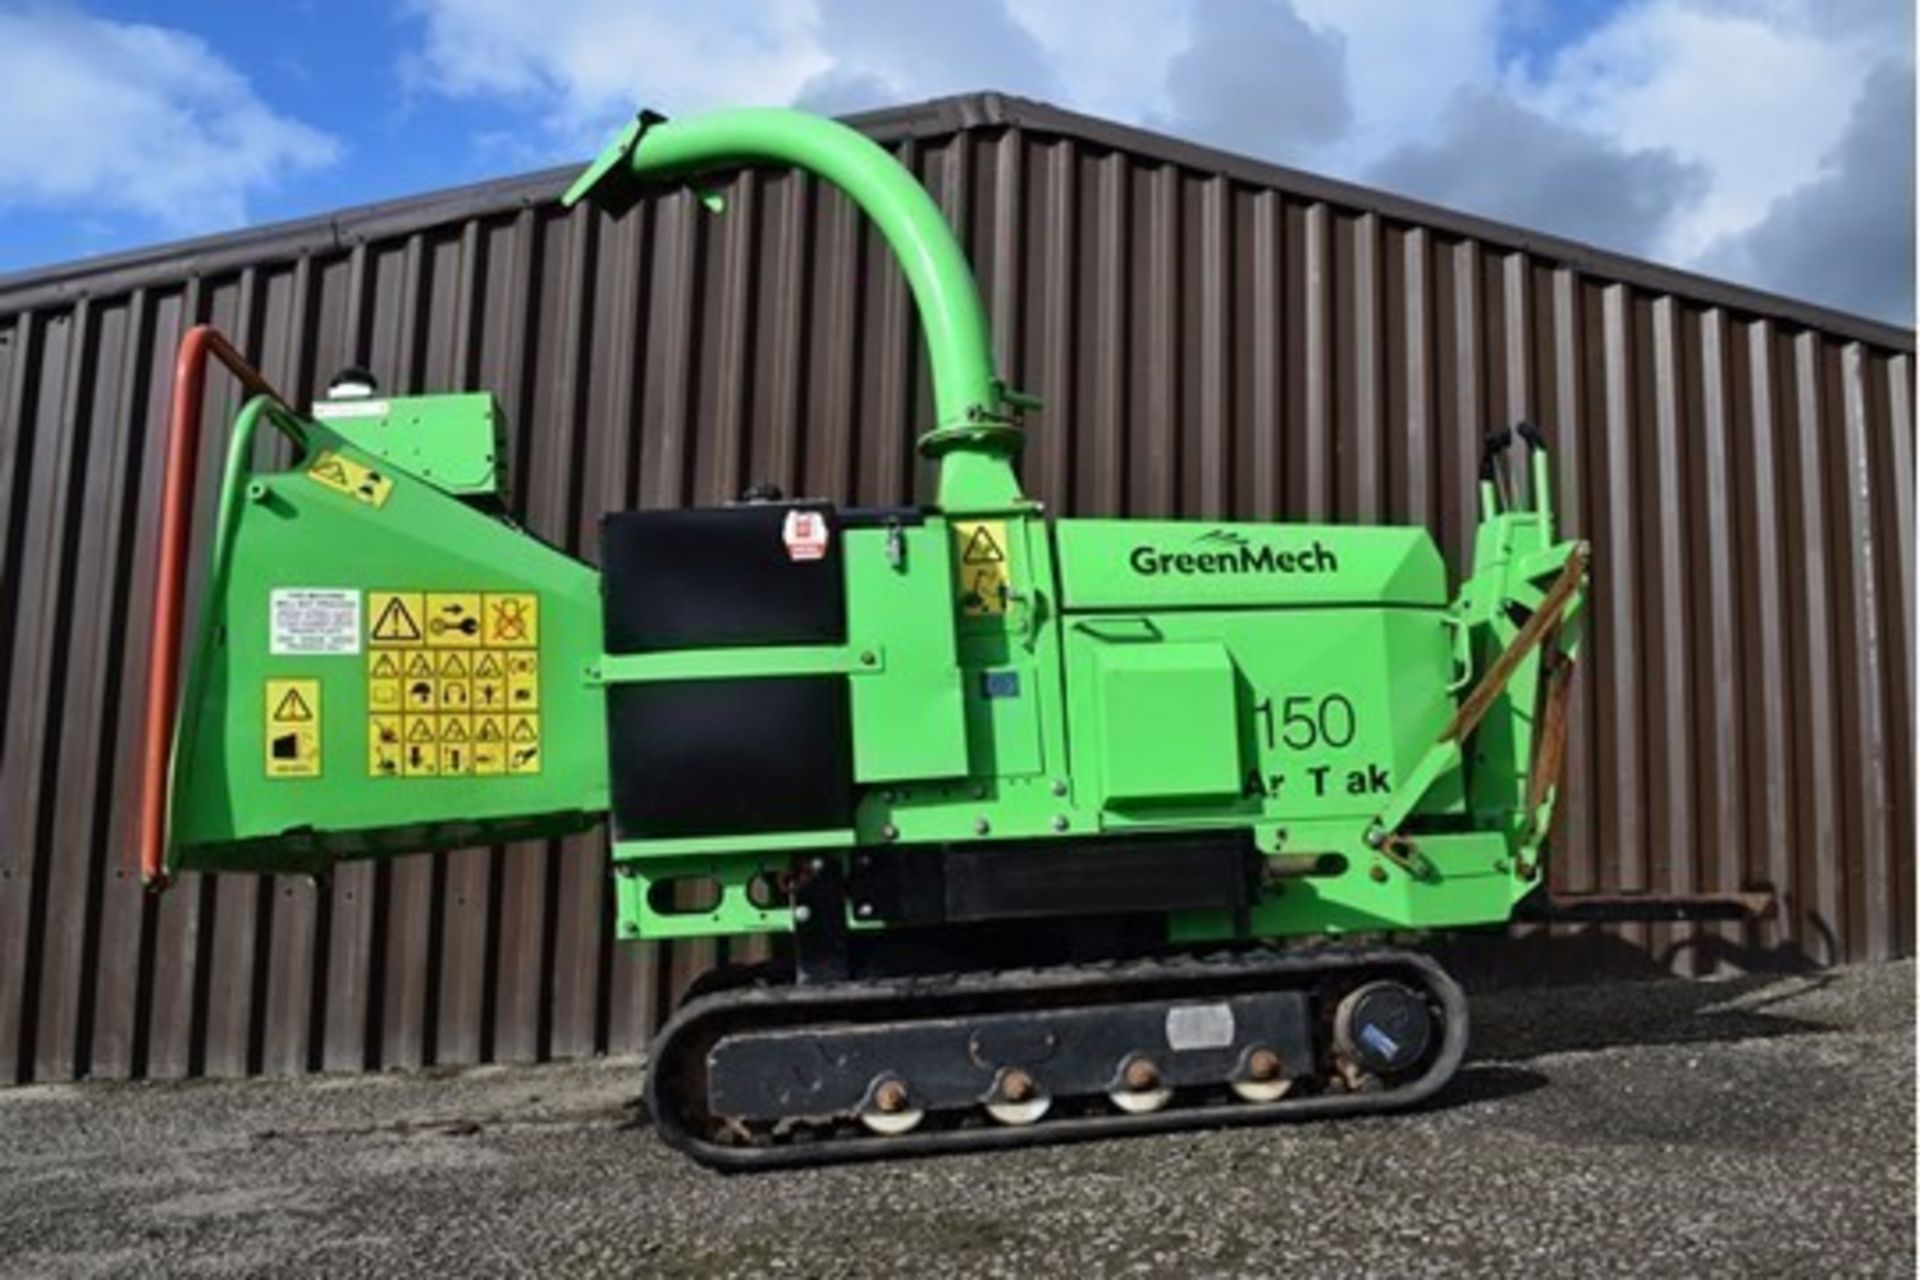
1221 551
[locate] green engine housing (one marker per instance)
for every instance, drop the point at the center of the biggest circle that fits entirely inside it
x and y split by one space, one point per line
1011 683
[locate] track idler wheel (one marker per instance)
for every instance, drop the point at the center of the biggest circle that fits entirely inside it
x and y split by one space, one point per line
1380 1029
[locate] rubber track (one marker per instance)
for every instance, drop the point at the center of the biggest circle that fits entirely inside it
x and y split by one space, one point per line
675 1074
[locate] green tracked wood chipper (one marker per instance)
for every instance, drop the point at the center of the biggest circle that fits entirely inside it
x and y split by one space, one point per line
1031 803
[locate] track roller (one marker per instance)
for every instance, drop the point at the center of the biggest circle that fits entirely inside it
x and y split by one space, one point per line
886 1110
1261 1077
1017 1099
1139 1091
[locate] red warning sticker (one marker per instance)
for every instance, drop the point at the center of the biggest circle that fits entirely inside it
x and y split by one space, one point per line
805 534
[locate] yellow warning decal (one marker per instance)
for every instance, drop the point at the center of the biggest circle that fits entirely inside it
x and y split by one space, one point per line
511 620
523 681
453 684
456 745
385 687
489 749
420 747
523 744
453 619
981 546
383 697
344 475
293 728
385 736
396 618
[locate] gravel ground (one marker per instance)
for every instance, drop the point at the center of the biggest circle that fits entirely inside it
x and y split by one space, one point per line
1760 1124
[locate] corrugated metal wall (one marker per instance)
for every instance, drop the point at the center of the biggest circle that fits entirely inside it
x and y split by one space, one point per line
1213 338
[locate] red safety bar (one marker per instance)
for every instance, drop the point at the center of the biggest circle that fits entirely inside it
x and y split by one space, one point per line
170 578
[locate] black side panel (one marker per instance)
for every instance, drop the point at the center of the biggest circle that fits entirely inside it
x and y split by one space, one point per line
730 757
1110 875
717 577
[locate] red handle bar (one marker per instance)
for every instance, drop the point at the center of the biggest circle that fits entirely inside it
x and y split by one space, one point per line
170 577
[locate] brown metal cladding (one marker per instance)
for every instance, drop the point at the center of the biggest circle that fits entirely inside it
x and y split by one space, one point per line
1213 337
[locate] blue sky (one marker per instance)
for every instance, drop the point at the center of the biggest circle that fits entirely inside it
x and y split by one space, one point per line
1769 141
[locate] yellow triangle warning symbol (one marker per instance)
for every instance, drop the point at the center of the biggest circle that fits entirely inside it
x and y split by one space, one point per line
453 730
420 730
488 729
488 668
523 730
982 549
293 709
396 622
420 667
385 667
453 667
331 471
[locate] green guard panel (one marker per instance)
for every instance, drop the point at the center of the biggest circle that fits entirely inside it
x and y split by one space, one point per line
240 802
1151 693
1133 564
451 440
1332 708
907 715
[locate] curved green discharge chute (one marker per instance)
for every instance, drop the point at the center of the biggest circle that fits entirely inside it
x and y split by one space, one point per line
975 436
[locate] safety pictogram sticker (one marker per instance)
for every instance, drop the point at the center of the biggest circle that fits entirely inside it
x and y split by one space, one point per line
981 546
453 683
523 744
396 617
456 745
293 728
805 535
523 681
385 739
453 619
488 688
489 750
420 747
356 480
511 620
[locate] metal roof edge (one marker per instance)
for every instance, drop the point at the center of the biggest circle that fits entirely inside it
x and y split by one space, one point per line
1043 117
937 117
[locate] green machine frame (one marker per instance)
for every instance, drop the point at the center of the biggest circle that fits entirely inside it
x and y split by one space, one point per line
1382 754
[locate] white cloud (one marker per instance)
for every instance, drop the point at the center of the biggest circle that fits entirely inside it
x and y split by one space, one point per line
1845 236
1255 77
1405 62
891 51
1492 156
1669 127
1109 56
584 65
108 116
1752 92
